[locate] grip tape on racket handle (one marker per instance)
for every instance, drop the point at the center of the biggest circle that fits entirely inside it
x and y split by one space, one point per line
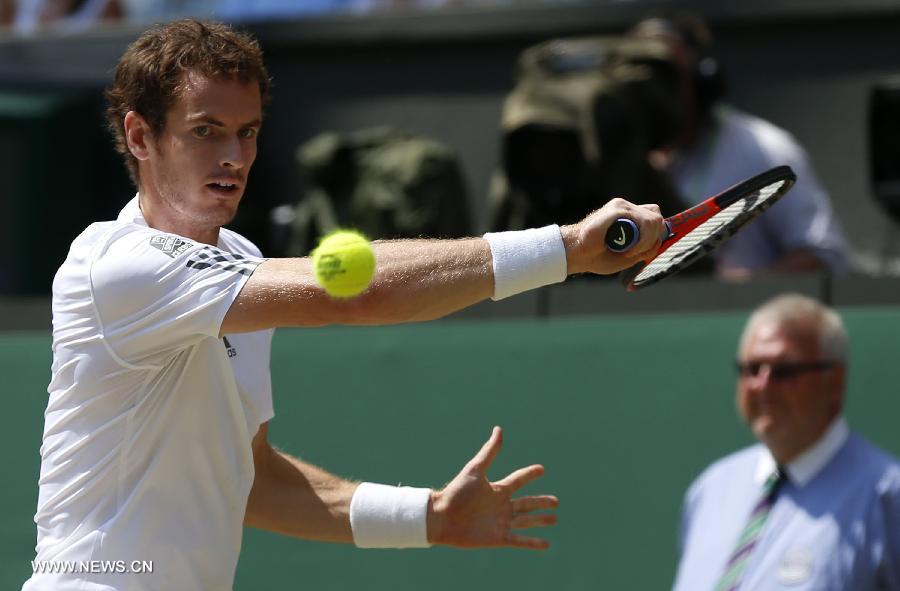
622 235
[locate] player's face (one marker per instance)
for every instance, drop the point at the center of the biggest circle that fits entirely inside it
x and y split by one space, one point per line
202 158
788 413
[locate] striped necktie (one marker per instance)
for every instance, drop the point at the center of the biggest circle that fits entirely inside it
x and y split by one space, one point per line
750 534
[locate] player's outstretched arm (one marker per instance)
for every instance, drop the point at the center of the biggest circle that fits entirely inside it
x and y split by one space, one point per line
295 498
425 279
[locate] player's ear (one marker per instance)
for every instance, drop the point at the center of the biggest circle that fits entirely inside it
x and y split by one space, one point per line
137 134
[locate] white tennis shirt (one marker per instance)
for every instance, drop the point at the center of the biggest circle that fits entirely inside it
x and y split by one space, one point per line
146 453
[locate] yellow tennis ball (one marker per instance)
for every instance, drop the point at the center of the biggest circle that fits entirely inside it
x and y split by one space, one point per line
344 264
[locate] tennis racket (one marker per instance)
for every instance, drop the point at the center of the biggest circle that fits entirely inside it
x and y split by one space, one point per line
697 231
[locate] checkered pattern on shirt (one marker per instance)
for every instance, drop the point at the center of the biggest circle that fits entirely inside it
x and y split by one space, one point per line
209 257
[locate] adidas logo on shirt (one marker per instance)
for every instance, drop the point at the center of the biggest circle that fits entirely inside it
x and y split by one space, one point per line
170 245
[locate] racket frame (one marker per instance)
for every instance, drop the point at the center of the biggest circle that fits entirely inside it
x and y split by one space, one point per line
680 225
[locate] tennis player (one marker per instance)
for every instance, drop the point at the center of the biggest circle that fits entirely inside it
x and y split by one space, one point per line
155 442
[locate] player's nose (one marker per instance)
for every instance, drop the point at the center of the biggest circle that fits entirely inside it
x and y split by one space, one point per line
233 154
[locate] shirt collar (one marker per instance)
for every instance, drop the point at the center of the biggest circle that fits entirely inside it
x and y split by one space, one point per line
805 466
132 212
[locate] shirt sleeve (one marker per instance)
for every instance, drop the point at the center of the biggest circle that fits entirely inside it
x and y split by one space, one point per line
155 294
804 218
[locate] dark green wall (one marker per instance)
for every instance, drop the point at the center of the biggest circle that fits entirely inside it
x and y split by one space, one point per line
623 412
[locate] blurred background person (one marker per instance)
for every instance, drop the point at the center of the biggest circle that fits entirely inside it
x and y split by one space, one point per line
720 146
812 505
577 129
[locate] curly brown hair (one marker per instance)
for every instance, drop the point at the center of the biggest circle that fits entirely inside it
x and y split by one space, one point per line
150 74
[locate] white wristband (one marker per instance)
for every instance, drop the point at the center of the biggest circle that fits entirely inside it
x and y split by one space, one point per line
389 516
526 259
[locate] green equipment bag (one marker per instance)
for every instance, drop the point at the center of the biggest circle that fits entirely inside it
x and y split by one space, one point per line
384 182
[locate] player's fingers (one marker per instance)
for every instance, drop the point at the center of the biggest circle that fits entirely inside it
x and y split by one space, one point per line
526 542
618 207
533 520
647 217
482 460
534 503
650 252
516 480
651 227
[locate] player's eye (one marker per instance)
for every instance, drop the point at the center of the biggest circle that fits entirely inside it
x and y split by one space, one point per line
202 131
247 133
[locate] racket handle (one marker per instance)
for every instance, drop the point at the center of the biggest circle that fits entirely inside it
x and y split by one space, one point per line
622 235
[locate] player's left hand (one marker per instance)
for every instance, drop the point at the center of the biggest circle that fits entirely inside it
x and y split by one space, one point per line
472 512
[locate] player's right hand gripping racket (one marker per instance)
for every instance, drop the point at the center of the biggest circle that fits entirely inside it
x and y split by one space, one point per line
697 231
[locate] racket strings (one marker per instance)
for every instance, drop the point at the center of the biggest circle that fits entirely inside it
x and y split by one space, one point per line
710 233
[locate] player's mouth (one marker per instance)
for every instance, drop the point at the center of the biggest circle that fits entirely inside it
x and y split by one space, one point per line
225 187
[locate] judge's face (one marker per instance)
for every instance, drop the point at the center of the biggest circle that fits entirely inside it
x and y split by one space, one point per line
786 392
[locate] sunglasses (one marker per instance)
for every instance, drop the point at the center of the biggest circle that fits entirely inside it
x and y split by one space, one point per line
782 371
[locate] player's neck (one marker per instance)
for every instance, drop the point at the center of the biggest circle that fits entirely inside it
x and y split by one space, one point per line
161 217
